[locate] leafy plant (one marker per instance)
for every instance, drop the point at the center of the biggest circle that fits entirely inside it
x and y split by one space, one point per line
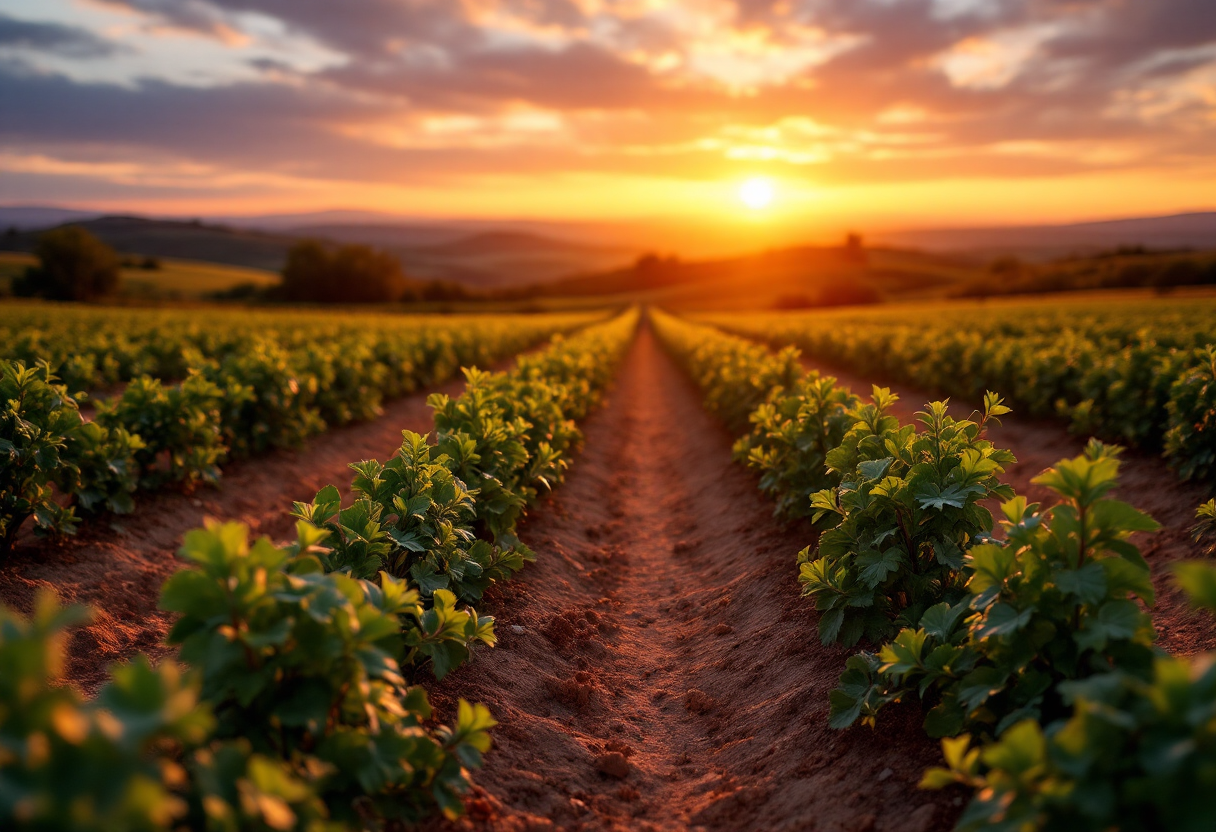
101 470
36 418
1190 439
201 385
1204 531
1137 753
179 428
1053 602
1131 372
432 515
792 433
301 664
359 544
70 764
907 510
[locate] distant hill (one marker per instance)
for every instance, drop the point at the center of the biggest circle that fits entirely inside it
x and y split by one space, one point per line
505 242
26 217
180 240
795 277
534 258
493 258
1196 230
381 235
484 259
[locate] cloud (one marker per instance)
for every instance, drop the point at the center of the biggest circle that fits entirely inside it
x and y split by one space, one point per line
70 41
830 90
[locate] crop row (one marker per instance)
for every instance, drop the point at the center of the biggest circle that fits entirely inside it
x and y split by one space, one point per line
252 394
300 708
1030 649
1141 373
93 349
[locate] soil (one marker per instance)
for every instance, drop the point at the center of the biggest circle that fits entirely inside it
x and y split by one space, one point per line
117 567
657 668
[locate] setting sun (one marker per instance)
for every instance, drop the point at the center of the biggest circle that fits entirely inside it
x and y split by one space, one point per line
756 193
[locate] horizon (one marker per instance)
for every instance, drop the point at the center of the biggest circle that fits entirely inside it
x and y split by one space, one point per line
865 115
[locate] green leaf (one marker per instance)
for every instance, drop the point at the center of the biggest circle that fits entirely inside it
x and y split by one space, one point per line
1198 580
940 619
1124 576
876 566
1087 583
874 469
1020 749
981 683
1000 620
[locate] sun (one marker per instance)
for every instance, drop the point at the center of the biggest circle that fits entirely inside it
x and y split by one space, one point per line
756 193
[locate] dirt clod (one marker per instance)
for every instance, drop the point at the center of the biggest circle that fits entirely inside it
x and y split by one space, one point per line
613 764
697 701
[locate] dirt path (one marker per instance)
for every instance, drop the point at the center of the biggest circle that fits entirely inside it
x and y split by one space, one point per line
1145 481
118 567
657 668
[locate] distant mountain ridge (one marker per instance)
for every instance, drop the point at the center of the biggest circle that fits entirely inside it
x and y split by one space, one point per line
1192 230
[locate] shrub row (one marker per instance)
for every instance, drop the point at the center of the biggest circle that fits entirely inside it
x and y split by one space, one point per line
1140 374
247 402
297 711
1031 650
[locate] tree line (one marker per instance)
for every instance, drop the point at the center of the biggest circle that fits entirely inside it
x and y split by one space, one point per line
74 265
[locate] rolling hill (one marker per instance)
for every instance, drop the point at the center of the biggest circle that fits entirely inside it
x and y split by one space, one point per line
1193 230
486 259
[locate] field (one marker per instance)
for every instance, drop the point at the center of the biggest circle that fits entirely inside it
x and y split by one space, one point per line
643 569
173 280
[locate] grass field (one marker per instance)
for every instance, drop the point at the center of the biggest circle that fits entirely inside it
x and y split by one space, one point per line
175 279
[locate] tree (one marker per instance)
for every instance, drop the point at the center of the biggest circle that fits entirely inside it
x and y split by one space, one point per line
317 273
854 249
72 265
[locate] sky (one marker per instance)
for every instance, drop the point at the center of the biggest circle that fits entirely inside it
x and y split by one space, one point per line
845 113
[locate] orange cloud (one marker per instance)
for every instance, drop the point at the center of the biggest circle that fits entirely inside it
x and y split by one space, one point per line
893 110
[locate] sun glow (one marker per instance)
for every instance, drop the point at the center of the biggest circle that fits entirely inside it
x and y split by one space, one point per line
756 193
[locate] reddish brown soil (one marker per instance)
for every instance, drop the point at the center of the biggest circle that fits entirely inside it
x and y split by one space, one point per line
1145 481
118 567
657 668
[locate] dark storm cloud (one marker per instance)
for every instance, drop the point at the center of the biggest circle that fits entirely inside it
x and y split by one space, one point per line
71 41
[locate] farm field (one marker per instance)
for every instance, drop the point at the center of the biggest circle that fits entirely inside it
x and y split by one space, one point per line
695 629
200 389
666 416
173 279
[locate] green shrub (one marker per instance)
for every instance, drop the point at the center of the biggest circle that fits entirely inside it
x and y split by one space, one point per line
792 433
1137 753
1190 439
36 418
302 665
1052 602
179 426
907 509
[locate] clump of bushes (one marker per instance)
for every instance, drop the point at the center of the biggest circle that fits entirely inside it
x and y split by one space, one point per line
318 273
72 265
